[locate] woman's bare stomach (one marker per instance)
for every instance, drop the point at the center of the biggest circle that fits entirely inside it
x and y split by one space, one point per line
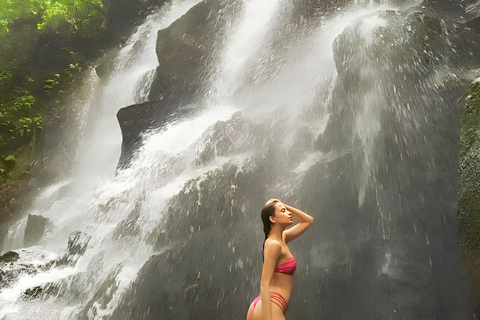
282 283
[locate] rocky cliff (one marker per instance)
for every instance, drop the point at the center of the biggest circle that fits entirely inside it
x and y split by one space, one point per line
469 189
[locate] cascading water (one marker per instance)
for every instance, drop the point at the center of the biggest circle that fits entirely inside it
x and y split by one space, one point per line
347 121
75 203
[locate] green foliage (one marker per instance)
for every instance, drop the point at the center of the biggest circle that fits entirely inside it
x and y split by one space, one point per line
28 90
5 78
52 82
51 12
22 100
16 118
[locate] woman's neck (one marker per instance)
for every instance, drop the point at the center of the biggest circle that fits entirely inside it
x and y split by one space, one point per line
276 233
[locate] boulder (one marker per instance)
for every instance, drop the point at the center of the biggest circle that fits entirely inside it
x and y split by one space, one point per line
26 261
187 47
36 226
10 256
184 50
136 119
76 247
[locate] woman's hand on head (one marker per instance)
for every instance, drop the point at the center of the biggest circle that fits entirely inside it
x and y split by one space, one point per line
272 201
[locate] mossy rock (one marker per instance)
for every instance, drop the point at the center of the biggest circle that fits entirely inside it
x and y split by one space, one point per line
10 256
468 190
469 171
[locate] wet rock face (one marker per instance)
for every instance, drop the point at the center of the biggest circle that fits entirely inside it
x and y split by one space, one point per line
36 226
10 256
469 170
446 9
184 50
35 260
187 47
183 46
387 225
474 24
469 190
190 282
197 276
27 261
135 120
76 247
390 116
380 74
124 15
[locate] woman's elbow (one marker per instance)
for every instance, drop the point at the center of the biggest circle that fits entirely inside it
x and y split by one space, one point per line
264 286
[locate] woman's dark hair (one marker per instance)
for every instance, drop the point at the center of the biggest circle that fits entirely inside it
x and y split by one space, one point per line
267 212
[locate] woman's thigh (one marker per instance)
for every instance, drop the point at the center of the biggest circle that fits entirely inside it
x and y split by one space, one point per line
277 313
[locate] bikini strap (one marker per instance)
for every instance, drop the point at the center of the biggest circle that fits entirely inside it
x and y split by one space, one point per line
278 300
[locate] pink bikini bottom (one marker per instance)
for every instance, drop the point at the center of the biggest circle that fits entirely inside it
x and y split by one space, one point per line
276 298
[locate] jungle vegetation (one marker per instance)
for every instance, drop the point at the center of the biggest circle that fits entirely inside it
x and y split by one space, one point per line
43 46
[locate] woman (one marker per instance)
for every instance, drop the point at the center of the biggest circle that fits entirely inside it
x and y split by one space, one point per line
278 264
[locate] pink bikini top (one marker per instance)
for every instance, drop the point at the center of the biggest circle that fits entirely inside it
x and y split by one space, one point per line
287 267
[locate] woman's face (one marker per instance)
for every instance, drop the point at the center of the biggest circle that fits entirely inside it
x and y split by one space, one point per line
282 215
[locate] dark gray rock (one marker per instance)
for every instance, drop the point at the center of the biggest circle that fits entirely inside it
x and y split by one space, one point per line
186 286
27 261
102 70
474 24
36 226
32 293
196 276
187 47
50 54
77 243
185 50
124 15
10 256
411 176
446 9
136 119
76 247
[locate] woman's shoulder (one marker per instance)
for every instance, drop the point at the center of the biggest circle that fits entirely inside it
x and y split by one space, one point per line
273 244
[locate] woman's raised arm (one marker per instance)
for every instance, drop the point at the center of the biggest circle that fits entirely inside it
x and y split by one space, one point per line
304 221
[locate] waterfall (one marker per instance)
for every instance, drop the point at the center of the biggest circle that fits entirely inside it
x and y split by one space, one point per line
343 115
74 203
